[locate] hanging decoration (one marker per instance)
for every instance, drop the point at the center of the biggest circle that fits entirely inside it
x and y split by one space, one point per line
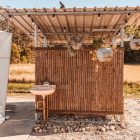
133 31
74 44
103 52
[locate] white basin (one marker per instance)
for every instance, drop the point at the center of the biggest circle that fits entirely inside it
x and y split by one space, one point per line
43 90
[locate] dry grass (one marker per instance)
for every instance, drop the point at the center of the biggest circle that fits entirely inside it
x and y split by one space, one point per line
26 73
22 73
132 73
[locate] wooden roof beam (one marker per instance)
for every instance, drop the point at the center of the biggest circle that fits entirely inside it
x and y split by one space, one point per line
105 8
38 24
121 20
52 26
43 21
74 9
72 13
137 8
57 17
15 10
117 25
91 25
101 19
83 33
67 21
42 29
108 23
134 21
84 9
35 9
60 26
126 8
25 20
116 8
18 27
25 9
75 33
94 9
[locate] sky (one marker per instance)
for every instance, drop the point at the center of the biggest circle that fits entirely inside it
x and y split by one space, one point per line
19 4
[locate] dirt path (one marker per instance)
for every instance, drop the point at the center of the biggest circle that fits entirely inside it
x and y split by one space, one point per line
132 112
21 121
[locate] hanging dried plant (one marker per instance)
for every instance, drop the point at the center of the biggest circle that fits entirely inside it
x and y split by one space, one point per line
98 43
133 30
73 43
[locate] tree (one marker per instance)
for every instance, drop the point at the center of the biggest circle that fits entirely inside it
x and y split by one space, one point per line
28 51
23 60
19 37
22 48
15 55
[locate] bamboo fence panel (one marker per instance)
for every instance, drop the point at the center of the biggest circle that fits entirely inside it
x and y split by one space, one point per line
80 88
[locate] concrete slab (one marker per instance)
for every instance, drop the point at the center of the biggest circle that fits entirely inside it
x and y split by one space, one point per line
21 122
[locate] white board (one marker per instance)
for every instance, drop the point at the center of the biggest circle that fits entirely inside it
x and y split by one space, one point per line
5 53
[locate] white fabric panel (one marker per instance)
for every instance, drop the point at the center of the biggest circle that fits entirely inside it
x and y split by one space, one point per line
5 51
2 119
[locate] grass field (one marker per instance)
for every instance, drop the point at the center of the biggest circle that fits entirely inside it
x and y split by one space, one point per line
22 73
26 73
22 78
20 86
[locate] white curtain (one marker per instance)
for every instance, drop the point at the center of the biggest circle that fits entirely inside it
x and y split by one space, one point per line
5 52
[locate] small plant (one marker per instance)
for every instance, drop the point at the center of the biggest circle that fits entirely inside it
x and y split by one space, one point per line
133 31
97 43
72 43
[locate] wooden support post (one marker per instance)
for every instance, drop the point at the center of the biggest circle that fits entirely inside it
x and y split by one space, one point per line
121 119
36 116
47 108
122 35
44 110
45 42
35 34
113 41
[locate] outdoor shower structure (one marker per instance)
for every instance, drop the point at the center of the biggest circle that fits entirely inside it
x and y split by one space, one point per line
80 86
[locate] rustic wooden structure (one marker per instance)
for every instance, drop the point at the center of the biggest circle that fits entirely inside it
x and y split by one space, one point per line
80 88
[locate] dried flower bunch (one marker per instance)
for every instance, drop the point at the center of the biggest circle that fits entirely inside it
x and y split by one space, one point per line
97 43
73 41
132 30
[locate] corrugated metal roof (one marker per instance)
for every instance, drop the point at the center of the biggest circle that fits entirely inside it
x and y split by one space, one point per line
72 20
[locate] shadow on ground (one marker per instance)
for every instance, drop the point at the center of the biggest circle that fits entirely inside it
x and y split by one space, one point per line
21 120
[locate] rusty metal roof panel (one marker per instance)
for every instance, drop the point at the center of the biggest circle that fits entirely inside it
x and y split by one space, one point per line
71 23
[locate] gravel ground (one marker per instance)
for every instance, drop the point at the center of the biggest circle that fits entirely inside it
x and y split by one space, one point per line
132 114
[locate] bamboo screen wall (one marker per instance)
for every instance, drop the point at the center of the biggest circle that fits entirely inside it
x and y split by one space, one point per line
80 88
